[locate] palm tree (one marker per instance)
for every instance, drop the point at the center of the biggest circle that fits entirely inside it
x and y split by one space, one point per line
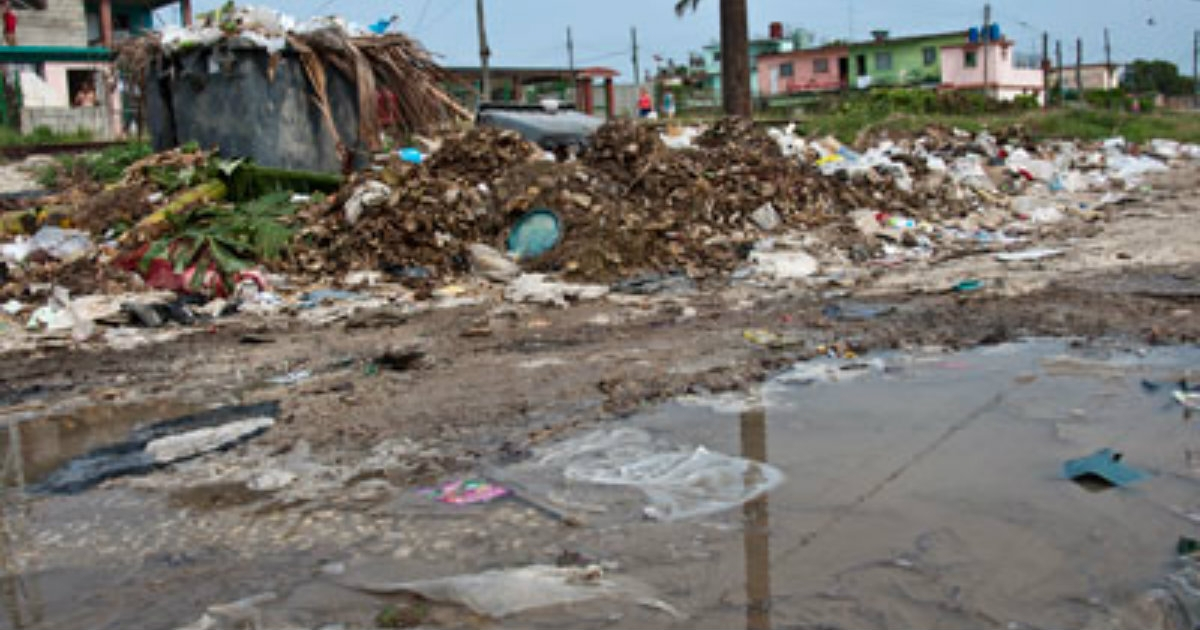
735 54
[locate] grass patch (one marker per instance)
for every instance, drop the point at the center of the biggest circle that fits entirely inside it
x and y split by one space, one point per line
1082 124
104 167
10 137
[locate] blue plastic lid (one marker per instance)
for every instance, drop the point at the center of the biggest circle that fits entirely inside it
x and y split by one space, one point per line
534 234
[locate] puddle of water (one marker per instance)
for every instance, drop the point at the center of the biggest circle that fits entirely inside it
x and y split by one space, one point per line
36 447
925 491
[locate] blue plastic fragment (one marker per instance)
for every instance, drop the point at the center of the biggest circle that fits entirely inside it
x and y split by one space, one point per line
411 155
1105 465
534 234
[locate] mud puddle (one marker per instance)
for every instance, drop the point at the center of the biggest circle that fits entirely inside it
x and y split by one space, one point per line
919 491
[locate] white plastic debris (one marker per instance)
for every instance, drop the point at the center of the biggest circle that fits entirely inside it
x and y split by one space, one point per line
55 242
784 265
492 265
503 593
676 482
1029 255
537 289
187 445
766 218
369 196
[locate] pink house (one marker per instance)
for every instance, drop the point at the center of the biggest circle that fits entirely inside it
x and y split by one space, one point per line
823 69
964 67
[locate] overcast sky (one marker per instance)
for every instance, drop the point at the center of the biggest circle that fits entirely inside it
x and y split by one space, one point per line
533 32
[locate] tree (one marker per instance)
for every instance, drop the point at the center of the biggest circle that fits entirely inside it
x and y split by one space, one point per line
735 54
1157 76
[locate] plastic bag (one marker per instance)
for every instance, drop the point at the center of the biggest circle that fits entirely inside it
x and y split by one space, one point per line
510 591
674 483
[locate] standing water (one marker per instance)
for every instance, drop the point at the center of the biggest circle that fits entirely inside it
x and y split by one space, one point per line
915 491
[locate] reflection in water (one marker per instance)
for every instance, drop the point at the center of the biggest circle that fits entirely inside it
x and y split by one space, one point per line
19 601
757 539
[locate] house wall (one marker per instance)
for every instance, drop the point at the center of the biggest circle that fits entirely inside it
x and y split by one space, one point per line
1094 78
1004 79
47 102
62 23
908 61
771 81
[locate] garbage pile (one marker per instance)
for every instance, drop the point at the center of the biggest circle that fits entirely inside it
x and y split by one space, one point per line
692 204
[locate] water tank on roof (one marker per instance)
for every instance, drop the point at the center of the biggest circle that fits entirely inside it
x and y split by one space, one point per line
776 30
973 35
994 33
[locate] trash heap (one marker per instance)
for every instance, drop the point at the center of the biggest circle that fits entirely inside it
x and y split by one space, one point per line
690 204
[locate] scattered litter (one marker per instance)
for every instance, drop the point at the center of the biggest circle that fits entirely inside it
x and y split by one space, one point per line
656 283
784 265
492 265
536 288
1029 255
766 218
183 446
466 492
291 378
968 286
324 296
1189 400
857 311
1105 468
507 592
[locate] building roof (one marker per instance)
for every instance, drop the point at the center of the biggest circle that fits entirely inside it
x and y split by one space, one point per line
910 38
536 73
39 54
828 48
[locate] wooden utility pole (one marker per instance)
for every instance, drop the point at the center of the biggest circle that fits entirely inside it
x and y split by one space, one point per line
735 58
1046 69
1196 70
1108 76
987 36
1079 69
485 54
571 52
1062 80
637 69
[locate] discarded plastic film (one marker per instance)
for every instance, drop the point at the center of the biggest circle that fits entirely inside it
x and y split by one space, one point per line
1104 467
511 591
675 483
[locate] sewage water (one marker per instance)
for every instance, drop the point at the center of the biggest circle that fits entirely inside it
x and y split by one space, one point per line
924 491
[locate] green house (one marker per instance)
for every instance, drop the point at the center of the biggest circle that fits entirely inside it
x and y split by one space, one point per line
913 61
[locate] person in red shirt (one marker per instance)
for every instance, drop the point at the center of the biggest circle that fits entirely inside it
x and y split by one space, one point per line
10 24
645 104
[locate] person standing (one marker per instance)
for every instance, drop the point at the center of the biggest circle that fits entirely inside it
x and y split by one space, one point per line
10 23
645 104
669 104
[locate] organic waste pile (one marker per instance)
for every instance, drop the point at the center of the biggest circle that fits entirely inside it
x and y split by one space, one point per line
628 205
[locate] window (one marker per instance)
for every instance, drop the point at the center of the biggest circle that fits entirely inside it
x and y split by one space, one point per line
716 57
81 86
820 66
930 54
972 59
883 61
787 70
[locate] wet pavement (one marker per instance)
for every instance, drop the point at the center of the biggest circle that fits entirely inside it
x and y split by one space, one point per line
921 491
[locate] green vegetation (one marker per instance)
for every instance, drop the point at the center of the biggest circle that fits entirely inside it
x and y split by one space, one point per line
104 167
10 137
1108 114
1082 124
1157 77
226 239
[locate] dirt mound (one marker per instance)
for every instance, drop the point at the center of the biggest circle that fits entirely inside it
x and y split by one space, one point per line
622 149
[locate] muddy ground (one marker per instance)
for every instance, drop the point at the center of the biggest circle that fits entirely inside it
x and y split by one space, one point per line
484 383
